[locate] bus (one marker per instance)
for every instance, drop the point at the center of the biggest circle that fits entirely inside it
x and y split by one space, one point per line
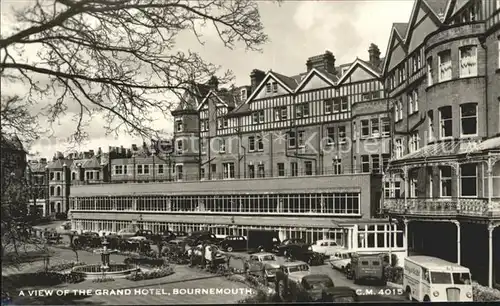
431 279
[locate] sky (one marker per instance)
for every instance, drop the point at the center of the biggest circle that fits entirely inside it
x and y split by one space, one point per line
297 30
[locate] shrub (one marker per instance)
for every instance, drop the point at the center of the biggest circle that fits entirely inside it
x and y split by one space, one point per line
103 280
484 294
394 274
261 296
144 261
62 266
42 278
156 273
74 277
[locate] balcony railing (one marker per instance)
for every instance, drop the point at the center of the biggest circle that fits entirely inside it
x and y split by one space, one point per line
443 207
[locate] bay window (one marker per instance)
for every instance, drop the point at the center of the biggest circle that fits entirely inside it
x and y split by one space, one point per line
444 64
468 61
429 72
468 119
445 181
375 127
445 122
468 178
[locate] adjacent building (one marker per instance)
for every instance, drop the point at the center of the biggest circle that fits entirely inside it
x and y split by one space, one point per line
36 172
442 76
13 165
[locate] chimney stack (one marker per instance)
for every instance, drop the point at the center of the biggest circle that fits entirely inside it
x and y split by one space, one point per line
213 83
374 53
325 62
256 77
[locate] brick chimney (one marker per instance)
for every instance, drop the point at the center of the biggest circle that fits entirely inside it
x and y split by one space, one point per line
255 78
324 62
213 83
374 53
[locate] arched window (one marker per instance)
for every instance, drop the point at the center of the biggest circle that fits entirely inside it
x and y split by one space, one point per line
51 176
52 190
58 190
58 207
73 176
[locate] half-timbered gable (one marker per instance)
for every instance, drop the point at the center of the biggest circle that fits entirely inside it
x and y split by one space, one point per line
316 79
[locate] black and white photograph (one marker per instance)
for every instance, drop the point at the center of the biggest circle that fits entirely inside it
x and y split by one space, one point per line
185 152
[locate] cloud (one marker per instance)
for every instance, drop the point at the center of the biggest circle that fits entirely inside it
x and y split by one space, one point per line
348 27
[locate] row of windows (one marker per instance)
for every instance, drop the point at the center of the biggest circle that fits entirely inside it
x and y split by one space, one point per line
467 64
468 121
88 175
468 178
398 76
324 203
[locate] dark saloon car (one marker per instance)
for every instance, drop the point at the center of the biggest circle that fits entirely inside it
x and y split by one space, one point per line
201 237
234 243
320 288
286 245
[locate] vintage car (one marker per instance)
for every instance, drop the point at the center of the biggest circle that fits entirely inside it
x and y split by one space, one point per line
88 239
234 243
304 253
320 288
201 237
262 261
366 267
327 247
294 270
341 259
287 244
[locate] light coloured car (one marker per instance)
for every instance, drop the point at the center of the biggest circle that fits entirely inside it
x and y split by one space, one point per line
138 238
340 259
327 247
295 270
259 261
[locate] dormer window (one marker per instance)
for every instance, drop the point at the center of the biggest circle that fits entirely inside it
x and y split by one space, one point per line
179 125
243 94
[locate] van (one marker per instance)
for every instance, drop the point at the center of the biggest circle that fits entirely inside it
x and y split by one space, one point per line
367 267
431 279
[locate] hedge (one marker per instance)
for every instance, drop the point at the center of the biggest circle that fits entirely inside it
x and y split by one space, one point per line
62 266
484 294
42 278
394 274
145 261
156 273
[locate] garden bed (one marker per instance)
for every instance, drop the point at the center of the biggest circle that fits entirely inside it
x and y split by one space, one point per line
151 274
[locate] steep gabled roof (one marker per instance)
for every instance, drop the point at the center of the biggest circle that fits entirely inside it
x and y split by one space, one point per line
359 62
327 77
396 30
59 163
401 28
191 100
291 82
284 81
438 7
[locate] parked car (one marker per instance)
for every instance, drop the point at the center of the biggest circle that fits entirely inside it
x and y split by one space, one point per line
366 267
286 245
201 237
327 247
89 239
262 261
320 288
168 236
234 243
341 259
52 237
290 272
304 253
262 241
181 235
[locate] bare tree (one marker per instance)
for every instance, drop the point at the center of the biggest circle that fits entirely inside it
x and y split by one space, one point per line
116 58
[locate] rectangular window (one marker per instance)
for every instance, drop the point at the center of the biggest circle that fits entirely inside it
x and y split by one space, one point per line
260 143
468 119
292 143
294 168
302 110
344 104
337 105
413 187
400 108
251 171
258 117
375 163
281 169
365 163
261 171
275 87
203 144
410 103
268 87
178 125
337 166
160 169
386 126
330 134
308 167
228 170
251 143
222 145
430 126
468 178
119 169
179 172
179 146
468 61
375 127
139 169
213 171
301 139
365 128
202 173
328 106
445 122
398 147
415 101
280 113
146 169
429 71
445 178
444 64
284 114
342 134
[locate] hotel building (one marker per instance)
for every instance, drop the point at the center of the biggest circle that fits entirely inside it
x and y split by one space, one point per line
442 75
